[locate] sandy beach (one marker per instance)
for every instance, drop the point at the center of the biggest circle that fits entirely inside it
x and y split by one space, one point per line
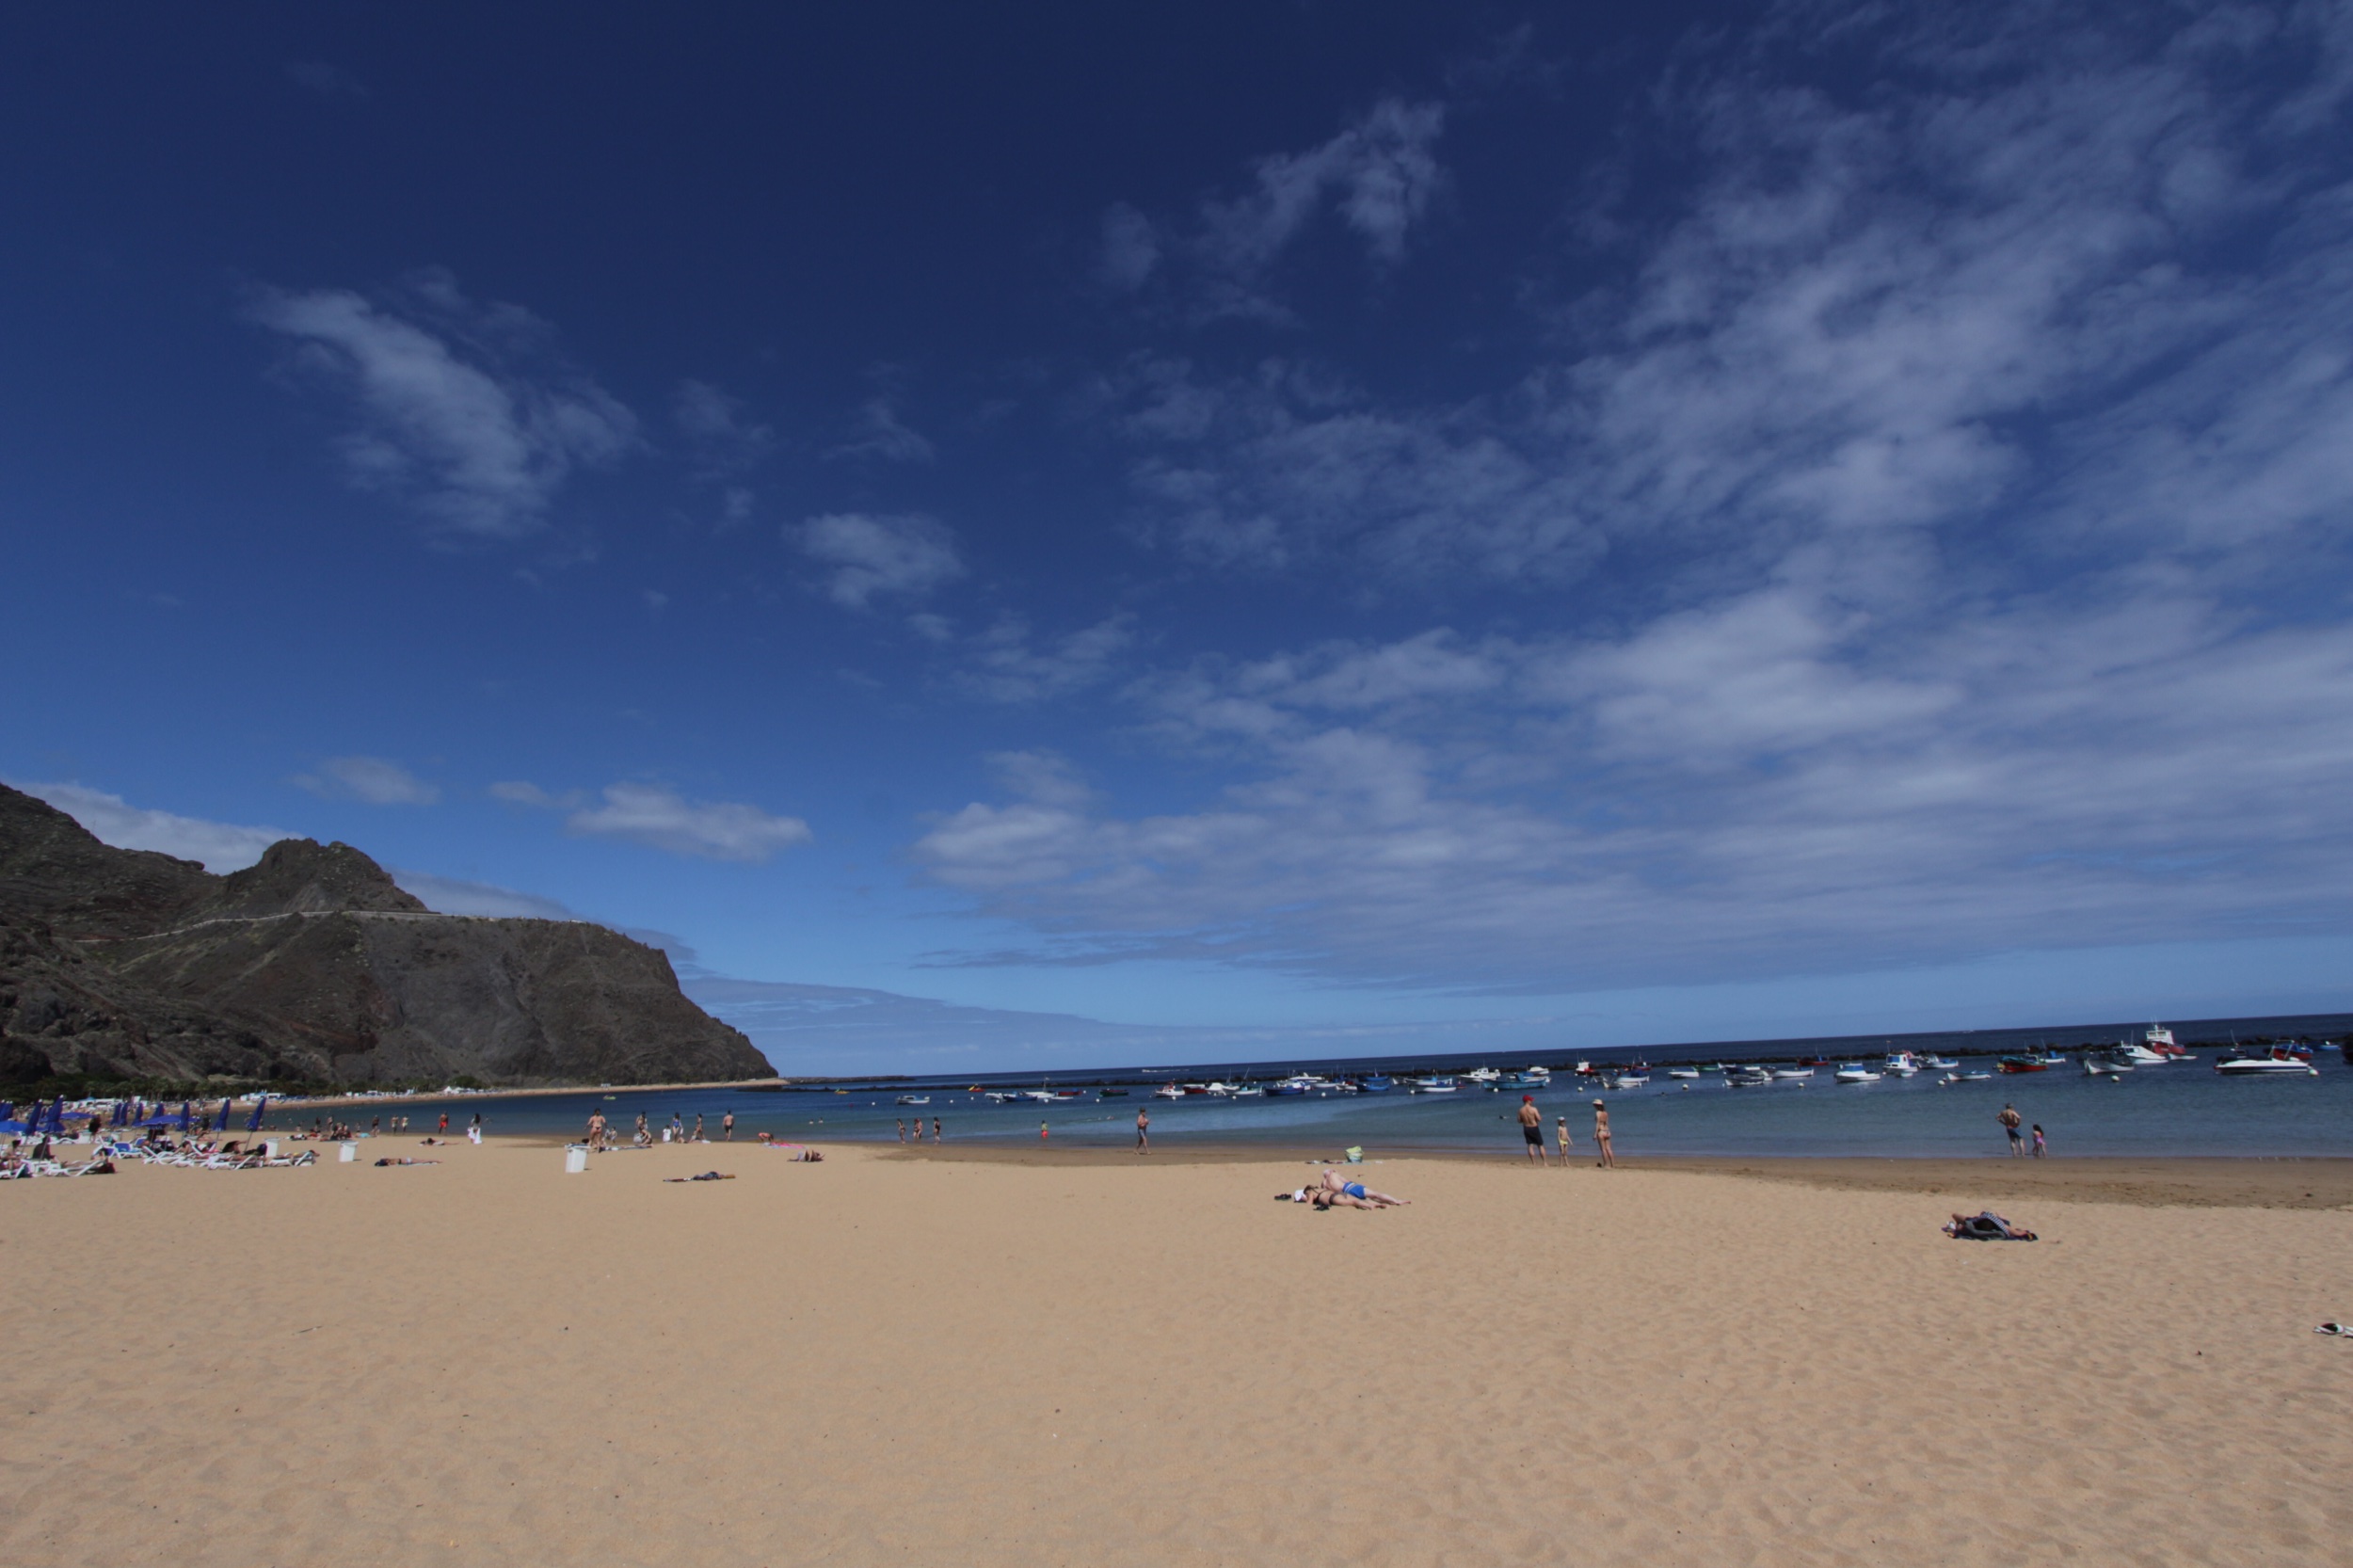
1036 1359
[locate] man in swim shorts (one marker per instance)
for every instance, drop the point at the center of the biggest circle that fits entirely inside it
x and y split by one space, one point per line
1143 1129
2009 1118
1532 1128
1335 1190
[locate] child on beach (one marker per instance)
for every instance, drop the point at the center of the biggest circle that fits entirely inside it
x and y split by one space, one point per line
1561 1131
2038 1141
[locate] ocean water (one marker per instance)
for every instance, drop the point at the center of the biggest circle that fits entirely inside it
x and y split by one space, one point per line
2181 1109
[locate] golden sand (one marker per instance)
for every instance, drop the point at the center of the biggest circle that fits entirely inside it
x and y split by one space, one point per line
893 1359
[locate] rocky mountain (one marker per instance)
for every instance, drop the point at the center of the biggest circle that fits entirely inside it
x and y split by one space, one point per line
312 965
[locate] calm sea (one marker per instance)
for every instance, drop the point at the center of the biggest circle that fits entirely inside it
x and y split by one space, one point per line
2185 1107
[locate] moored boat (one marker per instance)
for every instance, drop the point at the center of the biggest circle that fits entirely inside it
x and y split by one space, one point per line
1855 1072
1377 1084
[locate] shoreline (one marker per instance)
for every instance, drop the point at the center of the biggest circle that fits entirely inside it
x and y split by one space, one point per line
2314 1182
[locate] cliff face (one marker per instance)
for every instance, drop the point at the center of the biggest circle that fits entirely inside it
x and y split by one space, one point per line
314 964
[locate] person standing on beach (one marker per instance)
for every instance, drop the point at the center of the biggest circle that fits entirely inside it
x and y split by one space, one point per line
2039 1150
1609 1161
727 1128
1043 1135
699 1129
1563 1131
2009 1118
1143 1130
596 1130
445 1127
903 1130
1532 1128
936 1129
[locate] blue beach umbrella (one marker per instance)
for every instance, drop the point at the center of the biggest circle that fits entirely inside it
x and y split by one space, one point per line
224 1116
254 1123
187 1116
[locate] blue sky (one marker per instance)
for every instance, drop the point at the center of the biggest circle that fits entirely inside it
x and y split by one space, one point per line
1492 522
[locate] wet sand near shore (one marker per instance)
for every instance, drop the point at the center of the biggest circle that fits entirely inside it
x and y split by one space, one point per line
887 1358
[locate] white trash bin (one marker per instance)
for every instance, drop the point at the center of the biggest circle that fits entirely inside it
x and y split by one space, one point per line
347 1153
575 1159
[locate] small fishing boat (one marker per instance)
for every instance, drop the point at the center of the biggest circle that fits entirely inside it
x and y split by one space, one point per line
1111 1095
2160 1039
1378 1083
1165 1092
1940 1064
1747 1077
1683 1072
1288 1086
2138 1055
1793 1072
1435 1086
1629 1080
1482 1075
913 1099
1855 1072
1902 1063
1246 1092
2022 1064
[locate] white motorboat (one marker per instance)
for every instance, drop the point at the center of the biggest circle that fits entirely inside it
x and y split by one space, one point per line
1747 1077
1902 1063
1683 1072
1940 1064
1168 1091
2100 1064
1483 1074
1435 1086
1793 1072
2256 1066
1855 1072
1629 1080
913 1099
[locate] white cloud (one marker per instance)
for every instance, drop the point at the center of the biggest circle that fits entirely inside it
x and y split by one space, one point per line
371 779
724 440
446 416
327 81
882 434
662 819
1003 666
871 555
1132 248
1381 172
1047 778
450 895
221 847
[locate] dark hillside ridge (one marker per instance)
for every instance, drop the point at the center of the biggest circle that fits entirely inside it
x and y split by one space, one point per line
314 965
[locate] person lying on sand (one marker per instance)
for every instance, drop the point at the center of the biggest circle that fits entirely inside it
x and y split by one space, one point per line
1986 1227
406 1159
707 1175
1334 1192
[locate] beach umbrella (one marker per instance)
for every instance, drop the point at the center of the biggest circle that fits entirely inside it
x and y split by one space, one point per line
224 1116
57 1117
186 1116
254 1123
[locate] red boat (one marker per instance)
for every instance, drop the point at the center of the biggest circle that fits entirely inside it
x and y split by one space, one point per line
2023 1064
